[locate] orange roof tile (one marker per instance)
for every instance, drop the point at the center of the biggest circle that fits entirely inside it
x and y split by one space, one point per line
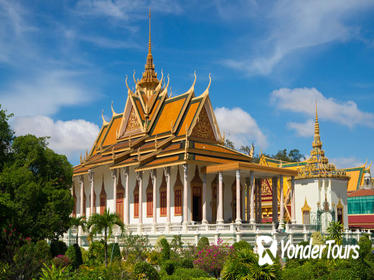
169 114
110 137
189 117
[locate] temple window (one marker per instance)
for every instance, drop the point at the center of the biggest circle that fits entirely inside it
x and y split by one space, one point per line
149 195
119 198
136 201
178 189
305 210
102 199
163 210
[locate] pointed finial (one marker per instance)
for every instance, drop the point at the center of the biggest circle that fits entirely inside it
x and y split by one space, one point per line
316 125
102 116
207 89
149 43
111 106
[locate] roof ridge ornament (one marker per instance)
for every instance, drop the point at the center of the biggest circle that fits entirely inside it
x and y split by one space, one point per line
102 117
206 92
129 91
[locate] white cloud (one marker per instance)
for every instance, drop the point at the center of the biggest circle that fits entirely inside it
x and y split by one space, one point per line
125 10
240 127
46 94
303 100
346 162
293 25
305 129
67 137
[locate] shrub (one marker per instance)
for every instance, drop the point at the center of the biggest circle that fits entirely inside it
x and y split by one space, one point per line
176 243
165 249
58 248
190 273
95 255
135 247
240 265
114 252
61 261
186 262
317 238
241 245
365 246
212 258
29 259
75 255
144 270
54 272
203 243
169 267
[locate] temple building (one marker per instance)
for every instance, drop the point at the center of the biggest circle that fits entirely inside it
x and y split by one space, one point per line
162 166
323 192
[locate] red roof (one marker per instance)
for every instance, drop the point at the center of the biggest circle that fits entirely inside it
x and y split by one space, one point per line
362 192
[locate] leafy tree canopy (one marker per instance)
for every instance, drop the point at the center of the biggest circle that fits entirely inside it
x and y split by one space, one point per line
293 155
35 186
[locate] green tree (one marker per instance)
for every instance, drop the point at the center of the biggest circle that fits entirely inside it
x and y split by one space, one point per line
77 222
229 143
35 184
6 137
335 231
99 223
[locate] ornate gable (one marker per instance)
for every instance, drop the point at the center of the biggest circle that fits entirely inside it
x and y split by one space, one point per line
132 123
203 128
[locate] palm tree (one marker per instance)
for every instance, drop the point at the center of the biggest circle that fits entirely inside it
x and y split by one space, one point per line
335 231
78 222
99 223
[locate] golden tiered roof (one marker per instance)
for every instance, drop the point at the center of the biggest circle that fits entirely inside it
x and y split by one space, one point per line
318 164
157 130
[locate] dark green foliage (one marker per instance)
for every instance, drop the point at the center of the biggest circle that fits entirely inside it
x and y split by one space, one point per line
35 195
114 252
165 249
186 262
29 259
242 244
74 253
58 248
6 137
190 273
144 270
365 246
203 243
169 267
95 255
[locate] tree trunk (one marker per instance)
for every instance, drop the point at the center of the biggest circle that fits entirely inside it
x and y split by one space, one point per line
76 241
106 248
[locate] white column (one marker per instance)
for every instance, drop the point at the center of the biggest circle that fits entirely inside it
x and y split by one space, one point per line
140 179
238 198
154 184
220 199
91 177
293 216
281 209
252 198
126 200
185 196
204 221
168 196
114 177
81 182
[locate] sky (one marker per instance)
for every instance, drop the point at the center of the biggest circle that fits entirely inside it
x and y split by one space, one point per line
63 63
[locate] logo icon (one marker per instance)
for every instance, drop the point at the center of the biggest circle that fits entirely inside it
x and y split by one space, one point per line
266 249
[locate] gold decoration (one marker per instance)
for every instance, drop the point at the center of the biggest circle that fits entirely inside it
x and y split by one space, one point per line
318 166
203 128
132 123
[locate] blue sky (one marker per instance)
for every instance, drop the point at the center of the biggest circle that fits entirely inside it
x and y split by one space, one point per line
63 62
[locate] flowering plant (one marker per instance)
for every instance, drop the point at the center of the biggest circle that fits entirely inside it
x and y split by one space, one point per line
61 261
212 258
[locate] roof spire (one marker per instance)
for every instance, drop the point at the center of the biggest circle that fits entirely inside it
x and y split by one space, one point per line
149 78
